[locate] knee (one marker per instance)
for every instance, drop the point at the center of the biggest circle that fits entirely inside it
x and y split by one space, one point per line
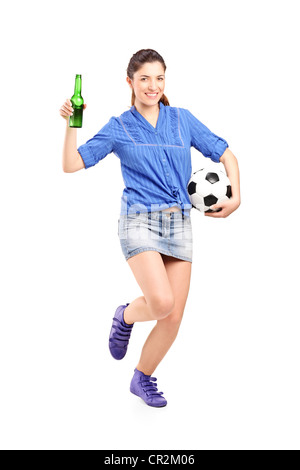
162 306
174 319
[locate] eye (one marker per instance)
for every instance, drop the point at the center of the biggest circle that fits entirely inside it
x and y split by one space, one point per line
145 78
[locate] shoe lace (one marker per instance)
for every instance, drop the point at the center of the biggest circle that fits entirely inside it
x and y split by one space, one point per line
149 386
121 333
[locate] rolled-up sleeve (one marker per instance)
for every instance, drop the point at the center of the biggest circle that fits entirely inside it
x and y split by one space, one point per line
99 146
208 143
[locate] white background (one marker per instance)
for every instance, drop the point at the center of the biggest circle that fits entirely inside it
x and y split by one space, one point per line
232 376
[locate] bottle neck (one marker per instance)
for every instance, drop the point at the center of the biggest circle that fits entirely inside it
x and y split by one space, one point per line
77 90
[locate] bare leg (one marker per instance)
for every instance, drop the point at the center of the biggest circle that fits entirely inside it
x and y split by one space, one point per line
165 331
137 310
158 300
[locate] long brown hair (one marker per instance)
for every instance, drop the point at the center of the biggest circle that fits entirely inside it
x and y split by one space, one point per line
140 58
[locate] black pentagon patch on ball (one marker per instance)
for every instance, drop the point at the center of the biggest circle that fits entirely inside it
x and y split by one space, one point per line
210 210
191 187
212 177
210 200
228 192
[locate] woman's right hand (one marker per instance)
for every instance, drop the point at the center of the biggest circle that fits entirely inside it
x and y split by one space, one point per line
66 110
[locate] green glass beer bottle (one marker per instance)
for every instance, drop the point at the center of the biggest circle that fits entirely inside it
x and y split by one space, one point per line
77 104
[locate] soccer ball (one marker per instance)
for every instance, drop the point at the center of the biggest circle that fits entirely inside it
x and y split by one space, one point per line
208 187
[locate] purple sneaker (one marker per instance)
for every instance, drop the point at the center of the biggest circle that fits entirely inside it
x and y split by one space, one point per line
119 334
144 386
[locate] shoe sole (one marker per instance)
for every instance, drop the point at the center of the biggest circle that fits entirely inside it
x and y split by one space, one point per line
153 406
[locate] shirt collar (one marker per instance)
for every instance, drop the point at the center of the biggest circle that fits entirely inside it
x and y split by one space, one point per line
147 123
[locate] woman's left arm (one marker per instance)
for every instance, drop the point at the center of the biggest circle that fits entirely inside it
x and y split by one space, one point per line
232 170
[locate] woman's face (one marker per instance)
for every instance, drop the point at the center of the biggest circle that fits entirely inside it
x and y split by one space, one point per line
148 83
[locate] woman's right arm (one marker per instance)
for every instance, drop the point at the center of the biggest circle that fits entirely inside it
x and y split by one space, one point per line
71 158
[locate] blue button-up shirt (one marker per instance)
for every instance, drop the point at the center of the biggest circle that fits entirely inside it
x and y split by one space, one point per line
155 161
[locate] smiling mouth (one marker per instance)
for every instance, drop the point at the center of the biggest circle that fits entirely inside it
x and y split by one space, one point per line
151 95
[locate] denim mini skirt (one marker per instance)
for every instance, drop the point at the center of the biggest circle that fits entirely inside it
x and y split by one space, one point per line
169 233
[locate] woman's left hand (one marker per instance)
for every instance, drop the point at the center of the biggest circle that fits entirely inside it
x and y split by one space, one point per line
227 208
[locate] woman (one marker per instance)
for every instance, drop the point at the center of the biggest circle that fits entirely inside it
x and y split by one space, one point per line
153 141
